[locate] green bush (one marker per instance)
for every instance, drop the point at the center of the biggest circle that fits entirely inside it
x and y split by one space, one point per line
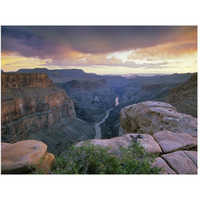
91 159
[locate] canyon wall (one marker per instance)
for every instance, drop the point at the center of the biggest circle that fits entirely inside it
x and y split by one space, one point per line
91 98
31 103
184 97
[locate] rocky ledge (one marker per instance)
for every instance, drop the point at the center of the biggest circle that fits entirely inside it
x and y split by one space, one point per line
160 129
151 116
24 157
175 156
13 80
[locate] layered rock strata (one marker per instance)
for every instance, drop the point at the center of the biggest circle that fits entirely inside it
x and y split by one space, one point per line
91 97
31 103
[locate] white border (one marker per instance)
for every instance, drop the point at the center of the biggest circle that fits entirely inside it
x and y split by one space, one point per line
91 12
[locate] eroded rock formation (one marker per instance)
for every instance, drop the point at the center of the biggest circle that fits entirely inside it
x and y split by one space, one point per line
160 129
147 141
91 97
174 161
151 116
25 156
30 103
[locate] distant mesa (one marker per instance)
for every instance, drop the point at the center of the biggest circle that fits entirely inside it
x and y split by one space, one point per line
35 70
60 75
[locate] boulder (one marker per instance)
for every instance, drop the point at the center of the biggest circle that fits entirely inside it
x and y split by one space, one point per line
150 117
48 161
174 141
180 162
159 162
126 140
24 156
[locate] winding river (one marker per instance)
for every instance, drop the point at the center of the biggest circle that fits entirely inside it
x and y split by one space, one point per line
97 125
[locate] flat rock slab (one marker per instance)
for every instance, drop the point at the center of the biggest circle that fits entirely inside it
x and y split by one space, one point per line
21 156
180 162
159 162
192 155
4 145
170 141
147 141
151 116
114 143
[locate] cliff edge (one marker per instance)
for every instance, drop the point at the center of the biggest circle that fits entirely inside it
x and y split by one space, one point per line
30 103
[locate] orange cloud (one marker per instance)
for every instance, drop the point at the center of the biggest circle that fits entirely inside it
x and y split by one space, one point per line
165 51
13 62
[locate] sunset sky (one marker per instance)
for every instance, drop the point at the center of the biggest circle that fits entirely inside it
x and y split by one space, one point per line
101 49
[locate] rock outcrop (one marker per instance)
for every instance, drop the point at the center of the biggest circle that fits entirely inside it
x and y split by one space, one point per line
159 162
114 144
184 97
24 157
33 108
160 129
151 116
30 103
139 89
169 141
178 161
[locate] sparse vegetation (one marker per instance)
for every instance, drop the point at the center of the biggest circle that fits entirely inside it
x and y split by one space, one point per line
91 159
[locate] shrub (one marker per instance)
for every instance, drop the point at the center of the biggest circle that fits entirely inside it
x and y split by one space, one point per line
91 159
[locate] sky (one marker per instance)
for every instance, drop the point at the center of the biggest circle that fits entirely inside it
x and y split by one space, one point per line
101 49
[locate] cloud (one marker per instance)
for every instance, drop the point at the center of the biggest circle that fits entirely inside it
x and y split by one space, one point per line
91 46
165 51
132 64
89 39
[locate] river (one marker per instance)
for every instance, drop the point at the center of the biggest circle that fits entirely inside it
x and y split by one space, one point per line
97 125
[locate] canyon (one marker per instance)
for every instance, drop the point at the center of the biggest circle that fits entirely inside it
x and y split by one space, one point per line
141 89
161 130
34 108
92 98
65 107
